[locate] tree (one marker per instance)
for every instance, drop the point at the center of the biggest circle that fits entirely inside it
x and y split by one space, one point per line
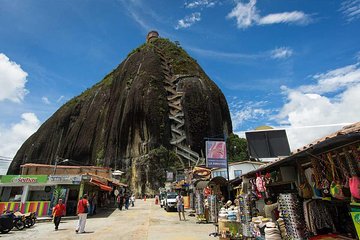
236 148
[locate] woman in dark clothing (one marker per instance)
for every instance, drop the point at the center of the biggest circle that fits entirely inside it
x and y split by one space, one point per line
120 201
127 198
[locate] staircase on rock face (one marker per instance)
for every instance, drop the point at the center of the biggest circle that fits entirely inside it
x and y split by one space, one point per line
176 114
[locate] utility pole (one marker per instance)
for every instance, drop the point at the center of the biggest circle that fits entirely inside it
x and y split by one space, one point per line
227 168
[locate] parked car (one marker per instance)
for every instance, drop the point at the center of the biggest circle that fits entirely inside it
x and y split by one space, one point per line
170 201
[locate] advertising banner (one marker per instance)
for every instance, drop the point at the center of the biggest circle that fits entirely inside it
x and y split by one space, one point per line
216 154
23 179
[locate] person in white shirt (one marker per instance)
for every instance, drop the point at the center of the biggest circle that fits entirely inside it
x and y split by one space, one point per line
180 205
132 199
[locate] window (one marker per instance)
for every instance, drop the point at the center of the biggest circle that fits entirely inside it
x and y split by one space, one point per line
220 173
237 173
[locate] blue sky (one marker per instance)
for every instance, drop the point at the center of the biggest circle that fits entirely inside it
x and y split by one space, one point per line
285 63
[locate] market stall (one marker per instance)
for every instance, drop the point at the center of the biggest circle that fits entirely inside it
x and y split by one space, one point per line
310 195
200 194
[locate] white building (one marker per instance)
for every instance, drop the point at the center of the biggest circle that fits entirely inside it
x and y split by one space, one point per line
236 169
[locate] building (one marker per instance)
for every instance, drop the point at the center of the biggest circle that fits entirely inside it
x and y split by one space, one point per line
236 169
40 185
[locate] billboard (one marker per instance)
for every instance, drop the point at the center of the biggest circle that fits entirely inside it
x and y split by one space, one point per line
267 144
216 154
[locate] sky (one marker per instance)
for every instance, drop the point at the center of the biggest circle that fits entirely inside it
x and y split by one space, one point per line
288 64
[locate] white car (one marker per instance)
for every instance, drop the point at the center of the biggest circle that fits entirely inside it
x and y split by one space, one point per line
170 201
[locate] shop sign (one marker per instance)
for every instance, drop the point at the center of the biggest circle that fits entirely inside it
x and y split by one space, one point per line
65 179
216 154
24 179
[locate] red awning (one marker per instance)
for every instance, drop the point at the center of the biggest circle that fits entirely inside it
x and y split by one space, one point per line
100 185
105 188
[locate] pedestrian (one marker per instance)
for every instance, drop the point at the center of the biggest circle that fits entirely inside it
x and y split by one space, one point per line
58 211
132 199
92 202
82 210
180 206
127 199
120 201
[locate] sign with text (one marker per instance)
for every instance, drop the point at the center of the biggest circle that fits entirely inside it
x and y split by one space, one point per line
65 179
24 179
216 154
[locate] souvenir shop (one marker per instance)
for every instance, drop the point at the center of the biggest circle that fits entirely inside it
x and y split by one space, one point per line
313 194
209 198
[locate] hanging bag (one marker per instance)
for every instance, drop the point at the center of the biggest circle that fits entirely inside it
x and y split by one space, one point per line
305 190
336 188
354 183
260 183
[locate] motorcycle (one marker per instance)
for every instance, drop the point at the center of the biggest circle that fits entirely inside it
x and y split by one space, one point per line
19 221
6 222
30 219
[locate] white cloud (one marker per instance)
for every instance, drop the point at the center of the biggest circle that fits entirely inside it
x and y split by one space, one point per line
246 15
189 20
334 80
277 53
357 56
12 80
285 17
351 9
200 3
45 100
60 98
281 53
249 111
331 100
12 137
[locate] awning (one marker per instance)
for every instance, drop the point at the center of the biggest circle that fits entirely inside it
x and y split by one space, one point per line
218 181
100 185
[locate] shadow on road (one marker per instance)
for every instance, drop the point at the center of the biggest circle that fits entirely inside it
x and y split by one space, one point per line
103 213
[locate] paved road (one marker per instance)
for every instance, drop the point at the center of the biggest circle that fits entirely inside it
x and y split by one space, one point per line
144 221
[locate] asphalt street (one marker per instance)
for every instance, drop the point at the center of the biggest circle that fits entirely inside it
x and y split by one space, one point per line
144 221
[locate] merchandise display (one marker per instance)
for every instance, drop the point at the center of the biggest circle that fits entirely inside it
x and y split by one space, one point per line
213 211
292 212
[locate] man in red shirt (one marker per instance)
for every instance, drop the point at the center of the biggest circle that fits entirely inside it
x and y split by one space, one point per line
58 211
82 210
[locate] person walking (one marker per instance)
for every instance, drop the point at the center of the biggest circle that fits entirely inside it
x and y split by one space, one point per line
180 206
92 202
127 198
82 210
120 201
58 211
132 199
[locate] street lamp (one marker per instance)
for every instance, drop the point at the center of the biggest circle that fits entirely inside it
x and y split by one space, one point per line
57 162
